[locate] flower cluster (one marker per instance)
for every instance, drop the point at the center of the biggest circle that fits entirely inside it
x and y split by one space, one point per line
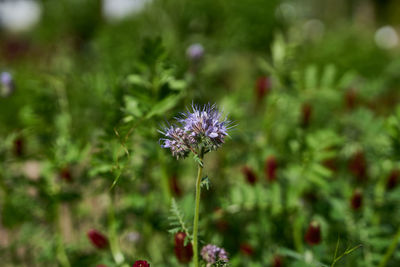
202 128
212 253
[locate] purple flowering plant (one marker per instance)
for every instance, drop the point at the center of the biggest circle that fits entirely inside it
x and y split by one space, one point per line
198 131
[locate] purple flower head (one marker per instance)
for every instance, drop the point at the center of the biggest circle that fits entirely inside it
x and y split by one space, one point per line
201 129
212 253
205 124
7 83
177 140
195 52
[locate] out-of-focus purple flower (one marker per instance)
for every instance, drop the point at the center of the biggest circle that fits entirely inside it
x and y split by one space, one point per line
177 140
141 264
202 127
212 253
195 52
7 84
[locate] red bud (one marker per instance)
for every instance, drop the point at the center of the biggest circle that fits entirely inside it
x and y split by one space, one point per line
183 253
263 85
174 186
358 166
270 168
277 261
98 239
313 234
19 147
246 249
65 174
351 98
141 264
306 112
393 180
250 176
356 200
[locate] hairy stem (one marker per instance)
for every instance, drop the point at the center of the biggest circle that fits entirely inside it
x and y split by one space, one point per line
196 214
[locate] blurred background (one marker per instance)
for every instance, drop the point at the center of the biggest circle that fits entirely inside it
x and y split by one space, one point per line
311 169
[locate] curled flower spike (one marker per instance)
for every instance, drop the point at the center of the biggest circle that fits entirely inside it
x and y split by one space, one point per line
205 126
212 253
177 140
202 128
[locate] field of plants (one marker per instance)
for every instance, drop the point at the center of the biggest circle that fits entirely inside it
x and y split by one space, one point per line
206 133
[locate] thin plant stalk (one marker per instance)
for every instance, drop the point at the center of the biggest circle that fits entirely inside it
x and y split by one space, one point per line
390 250
196 212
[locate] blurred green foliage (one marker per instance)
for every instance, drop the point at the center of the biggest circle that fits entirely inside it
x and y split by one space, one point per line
79 143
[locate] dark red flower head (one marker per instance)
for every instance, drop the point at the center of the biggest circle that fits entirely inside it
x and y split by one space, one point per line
141 264
277 261
174 186
263 86
183 253
313 234
271 166
356 200
98 239
101 265
19 147
246 249
65 174
358 166
393 179
351 98
306 112
249 174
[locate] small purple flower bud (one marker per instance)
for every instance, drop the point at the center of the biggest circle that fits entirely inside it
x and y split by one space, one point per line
195 52
7 84
211 254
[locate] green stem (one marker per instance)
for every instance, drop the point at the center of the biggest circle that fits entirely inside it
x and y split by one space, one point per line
391 249
112 231
196 213
61 254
